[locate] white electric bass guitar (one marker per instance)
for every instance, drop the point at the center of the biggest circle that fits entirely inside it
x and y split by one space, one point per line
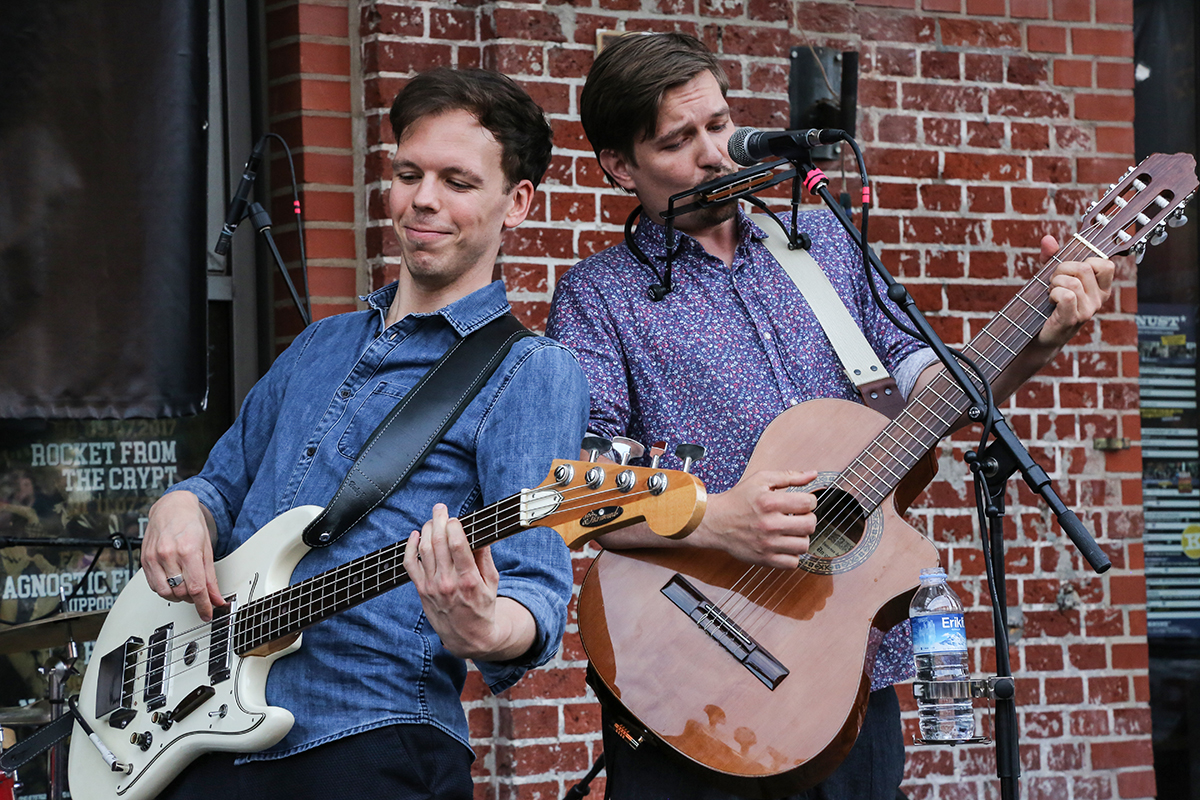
166 687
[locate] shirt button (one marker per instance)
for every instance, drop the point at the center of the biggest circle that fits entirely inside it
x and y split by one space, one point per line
767 336
345 393
310 452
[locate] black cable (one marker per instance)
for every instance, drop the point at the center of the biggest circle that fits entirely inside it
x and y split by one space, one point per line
299 218
866 216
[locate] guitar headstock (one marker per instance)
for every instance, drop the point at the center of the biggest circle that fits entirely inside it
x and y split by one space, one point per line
584 499
1137 209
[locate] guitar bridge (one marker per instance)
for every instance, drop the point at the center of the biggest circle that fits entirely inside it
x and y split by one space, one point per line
727 633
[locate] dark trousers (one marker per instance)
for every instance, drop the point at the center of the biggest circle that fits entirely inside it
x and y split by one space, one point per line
398 762
872 770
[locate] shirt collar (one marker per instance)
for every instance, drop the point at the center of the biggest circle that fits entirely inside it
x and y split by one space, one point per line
465 314
651 236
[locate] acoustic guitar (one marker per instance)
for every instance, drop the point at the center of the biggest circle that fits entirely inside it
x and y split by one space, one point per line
760 676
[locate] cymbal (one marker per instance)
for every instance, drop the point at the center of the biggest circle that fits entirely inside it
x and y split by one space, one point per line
33 714
82 626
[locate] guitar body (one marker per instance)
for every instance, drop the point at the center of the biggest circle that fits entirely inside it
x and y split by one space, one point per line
263 564
674 675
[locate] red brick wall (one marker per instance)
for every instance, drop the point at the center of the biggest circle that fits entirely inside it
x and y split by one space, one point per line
986 123
313 91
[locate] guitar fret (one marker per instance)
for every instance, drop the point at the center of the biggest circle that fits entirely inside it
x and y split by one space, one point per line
997 340
1027 334
293 608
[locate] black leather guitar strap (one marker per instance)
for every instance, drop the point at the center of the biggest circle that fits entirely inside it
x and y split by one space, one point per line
24 752
411 430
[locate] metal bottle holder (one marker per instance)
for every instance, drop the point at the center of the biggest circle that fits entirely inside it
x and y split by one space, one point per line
991 688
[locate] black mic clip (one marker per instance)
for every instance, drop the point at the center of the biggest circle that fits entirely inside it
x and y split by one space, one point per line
239 205
656 292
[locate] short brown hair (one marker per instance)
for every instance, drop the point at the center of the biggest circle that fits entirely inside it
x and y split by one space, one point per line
500 105
626 84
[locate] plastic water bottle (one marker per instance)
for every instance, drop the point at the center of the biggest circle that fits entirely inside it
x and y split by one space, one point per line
940 648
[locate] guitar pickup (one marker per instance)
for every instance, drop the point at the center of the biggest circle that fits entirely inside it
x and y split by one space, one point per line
157 667
716 623
219 642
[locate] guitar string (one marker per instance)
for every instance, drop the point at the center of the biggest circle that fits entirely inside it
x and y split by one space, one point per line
786 581
983 355
243 625
303 602
379 567
843 517
241 622
776 581
850 512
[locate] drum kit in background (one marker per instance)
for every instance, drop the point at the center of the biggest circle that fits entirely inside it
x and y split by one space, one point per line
60 630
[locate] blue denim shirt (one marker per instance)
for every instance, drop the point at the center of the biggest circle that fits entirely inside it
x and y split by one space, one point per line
299 431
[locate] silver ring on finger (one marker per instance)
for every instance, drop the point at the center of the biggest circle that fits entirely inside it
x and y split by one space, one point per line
175 580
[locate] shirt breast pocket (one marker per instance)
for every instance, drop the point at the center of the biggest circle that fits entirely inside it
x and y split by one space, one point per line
379 403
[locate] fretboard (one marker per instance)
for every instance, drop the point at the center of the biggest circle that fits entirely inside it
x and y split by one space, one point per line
930 413
300 605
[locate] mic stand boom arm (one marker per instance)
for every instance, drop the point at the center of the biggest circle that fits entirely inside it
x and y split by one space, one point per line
1034 475
993 469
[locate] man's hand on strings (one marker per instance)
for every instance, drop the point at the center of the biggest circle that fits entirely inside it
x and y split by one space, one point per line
762 520
458 590
1079 289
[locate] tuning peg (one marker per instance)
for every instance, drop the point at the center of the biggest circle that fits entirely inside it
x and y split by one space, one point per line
626 449
596 446
689 453
656 452
1139 252
1159 235
1177 218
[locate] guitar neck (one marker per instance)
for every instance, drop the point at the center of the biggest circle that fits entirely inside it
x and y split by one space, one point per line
931 412
289 611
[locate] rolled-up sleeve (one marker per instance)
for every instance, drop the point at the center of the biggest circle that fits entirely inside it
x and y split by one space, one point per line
538 415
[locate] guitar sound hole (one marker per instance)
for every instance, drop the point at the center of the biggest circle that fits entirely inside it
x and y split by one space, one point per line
840 524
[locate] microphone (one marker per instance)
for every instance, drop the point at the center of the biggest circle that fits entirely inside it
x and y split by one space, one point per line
748 146
241 198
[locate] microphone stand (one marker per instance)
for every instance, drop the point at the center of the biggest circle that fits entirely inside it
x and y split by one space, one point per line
999 461
261 221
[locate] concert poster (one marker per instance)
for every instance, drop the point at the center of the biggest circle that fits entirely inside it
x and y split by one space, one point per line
83 481
1171 469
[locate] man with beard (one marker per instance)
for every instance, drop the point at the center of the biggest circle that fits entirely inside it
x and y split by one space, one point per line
730 347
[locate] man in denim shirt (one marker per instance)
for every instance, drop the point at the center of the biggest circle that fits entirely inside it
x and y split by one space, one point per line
375 690
728 349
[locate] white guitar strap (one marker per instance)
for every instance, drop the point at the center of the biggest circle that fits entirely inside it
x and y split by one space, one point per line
863 367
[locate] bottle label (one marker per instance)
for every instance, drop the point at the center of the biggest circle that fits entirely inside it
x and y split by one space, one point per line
939 633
